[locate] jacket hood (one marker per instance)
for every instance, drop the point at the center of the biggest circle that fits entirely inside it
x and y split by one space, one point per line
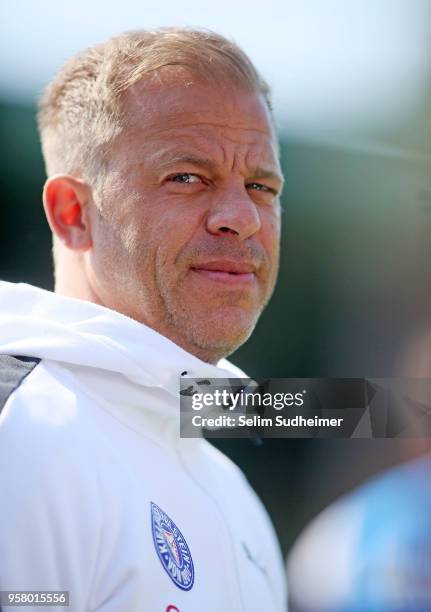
38 323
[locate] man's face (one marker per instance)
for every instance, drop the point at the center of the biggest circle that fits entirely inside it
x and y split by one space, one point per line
186 236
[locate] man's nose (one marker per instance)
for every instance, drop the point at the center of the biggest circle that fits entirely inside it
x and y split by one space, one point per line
234 213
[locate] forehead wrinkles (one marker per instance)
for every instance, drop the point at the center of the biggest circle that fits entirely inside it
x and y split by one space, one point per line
220 118
233 149
205 129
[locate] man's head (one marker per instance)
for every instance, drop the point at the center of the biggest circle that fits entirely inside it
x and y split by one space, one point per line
164 183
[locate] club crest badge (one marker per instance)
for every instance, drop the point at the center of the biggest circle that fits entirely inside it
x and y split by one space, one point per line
172 549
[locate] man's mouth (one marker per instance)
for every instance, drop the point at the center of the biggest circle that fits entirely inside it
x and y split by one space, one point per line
231 272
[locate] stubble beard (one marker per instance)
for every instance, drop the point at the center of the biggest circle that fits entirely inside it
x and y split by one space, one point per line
210 334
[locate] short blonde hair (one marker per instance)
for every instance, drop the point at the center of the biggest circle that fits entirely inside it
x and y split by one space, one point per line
80 112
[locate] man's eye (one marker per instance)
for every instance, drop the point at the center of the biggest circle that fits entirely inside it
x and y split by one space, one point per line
186 177
260 187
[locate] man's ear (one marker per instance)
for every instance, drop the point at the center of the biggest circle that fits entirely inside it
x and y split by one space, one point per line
66 200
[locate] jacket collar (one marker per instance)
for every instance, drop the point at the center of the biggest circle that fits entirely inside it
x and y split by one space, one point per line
39 323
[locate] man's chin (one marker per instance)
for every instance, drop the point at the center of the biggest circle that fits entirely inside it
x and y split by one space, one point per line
223 332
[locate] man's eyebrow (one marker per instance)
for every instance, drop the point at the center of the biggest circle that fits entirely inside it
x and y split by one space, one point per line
209 164
194 160
262 173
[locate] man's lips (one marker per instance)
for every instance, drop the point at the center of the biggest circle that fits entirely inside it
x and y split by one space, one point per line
231 272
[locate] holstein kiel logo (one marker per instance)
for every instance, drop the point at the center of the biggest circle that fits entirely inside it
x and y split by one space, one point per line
172 549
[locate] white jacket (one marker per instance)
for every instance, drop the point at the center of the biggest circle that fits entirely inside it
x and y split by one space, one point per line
99 495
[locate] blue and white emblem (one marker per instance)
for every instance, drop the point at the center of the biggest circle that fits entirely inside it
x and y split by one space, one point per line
172 549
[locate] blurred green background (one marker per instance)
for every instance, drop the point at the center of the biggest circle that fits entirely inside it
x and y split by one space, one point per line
354 291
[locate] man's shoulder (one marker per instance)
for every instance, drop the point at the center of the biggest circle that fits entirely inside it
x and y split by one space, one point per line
43 444
38 385
13 370
41 418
